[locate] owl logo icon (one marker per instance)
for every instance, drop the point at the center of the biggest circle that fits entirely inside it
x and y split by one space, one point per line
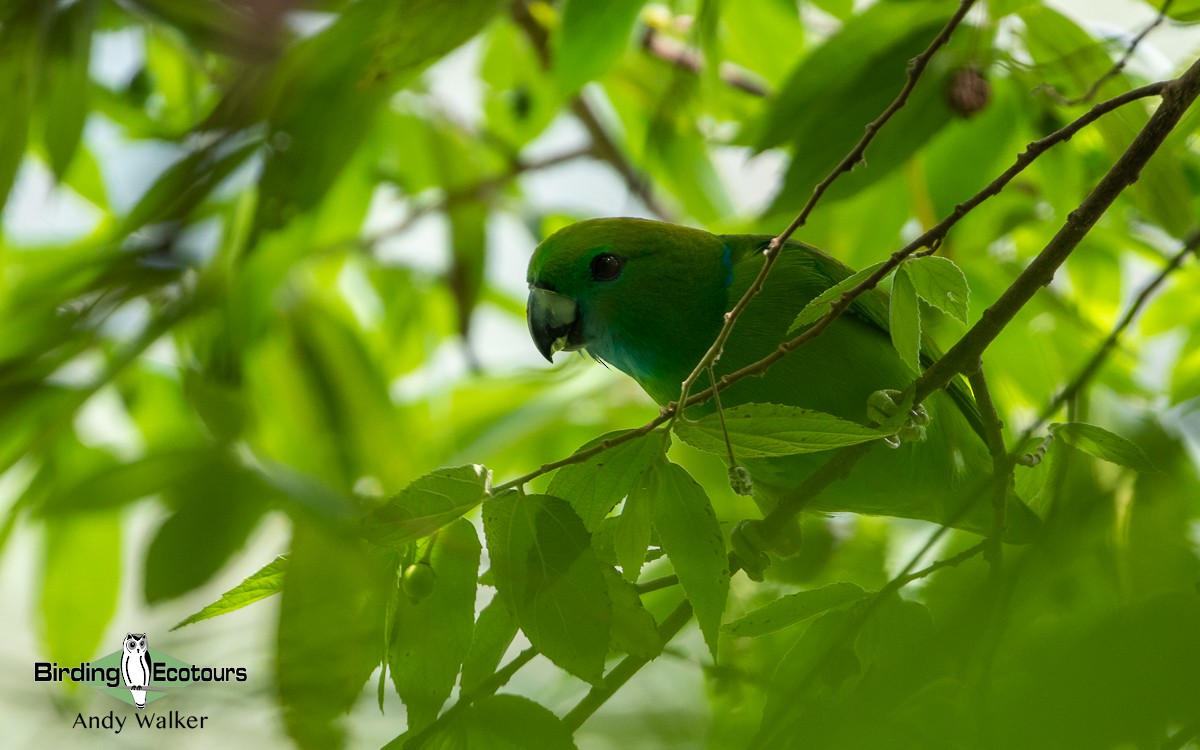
135 666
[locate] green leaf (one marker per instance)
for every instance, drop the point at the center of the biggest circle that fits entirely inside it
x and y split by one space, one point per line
633 531
808 667
500 722
180 560
595 486
66 82
431 637
758 430
793 608
337 81
1099 442
328 639
80 580
1187 11
691 536
183 185
546 571
493 634
839 9
878 41
114 486
634 630
426 505
819 306
266 582
590 38
940 283
862 68
18 66
904 320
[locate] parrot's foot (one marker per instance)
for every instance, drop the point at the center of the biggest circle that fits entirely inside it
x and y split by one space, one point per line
882 407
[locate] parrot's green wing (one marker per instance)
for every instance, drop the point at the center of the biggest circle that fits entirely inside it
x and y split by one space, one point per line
871 307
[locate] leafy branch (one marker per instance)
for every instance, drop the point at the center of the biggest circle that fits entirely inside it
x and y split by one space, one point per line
1177 96
852 159
1081 380
930 238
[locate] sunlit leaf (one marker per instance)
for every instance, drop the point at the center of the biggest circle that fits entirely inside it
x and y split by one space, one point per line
904 320
80 583
773 430
427 505
691 536
595 486
546 571
590 38
940 283
267 581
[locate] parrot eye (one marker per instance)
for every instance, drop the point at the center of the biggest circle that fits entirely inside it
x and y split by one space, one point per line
606 267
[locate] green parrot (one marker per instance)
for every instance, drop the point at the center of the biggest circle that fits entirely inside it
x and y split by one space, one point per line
649 298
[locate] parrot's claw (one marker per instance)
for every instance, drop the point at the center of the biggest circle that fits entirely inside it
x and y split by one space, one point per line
883 405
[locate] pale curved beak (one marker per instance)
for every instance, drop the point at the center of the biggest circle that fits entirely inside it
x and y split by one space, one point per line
554 322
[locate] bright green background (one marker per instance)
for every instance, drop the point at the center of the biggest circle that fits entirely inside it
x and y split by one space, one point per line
260 272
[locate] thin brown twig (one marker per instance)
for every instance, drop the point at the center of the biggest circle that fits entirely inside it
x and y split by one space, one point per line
1084 376
1119 66
685 58
603 145
475 191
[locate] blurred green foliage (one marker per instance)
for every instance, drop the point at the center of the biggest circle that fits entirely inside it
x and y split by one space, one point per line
237 323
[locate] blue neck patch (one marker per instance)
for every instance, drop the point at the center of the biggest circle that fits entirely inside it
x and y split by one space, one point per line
727 262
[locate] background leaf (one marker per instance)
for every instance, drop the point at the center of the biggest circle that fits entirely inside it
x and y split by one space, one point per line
1102 444
431 637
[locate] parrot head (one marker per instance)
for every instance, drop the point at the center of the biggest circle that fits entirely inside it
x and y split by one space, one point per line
644 296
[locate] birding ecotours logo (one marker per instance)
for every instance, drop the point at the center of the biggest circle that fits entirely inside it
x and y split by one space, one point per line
136 673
